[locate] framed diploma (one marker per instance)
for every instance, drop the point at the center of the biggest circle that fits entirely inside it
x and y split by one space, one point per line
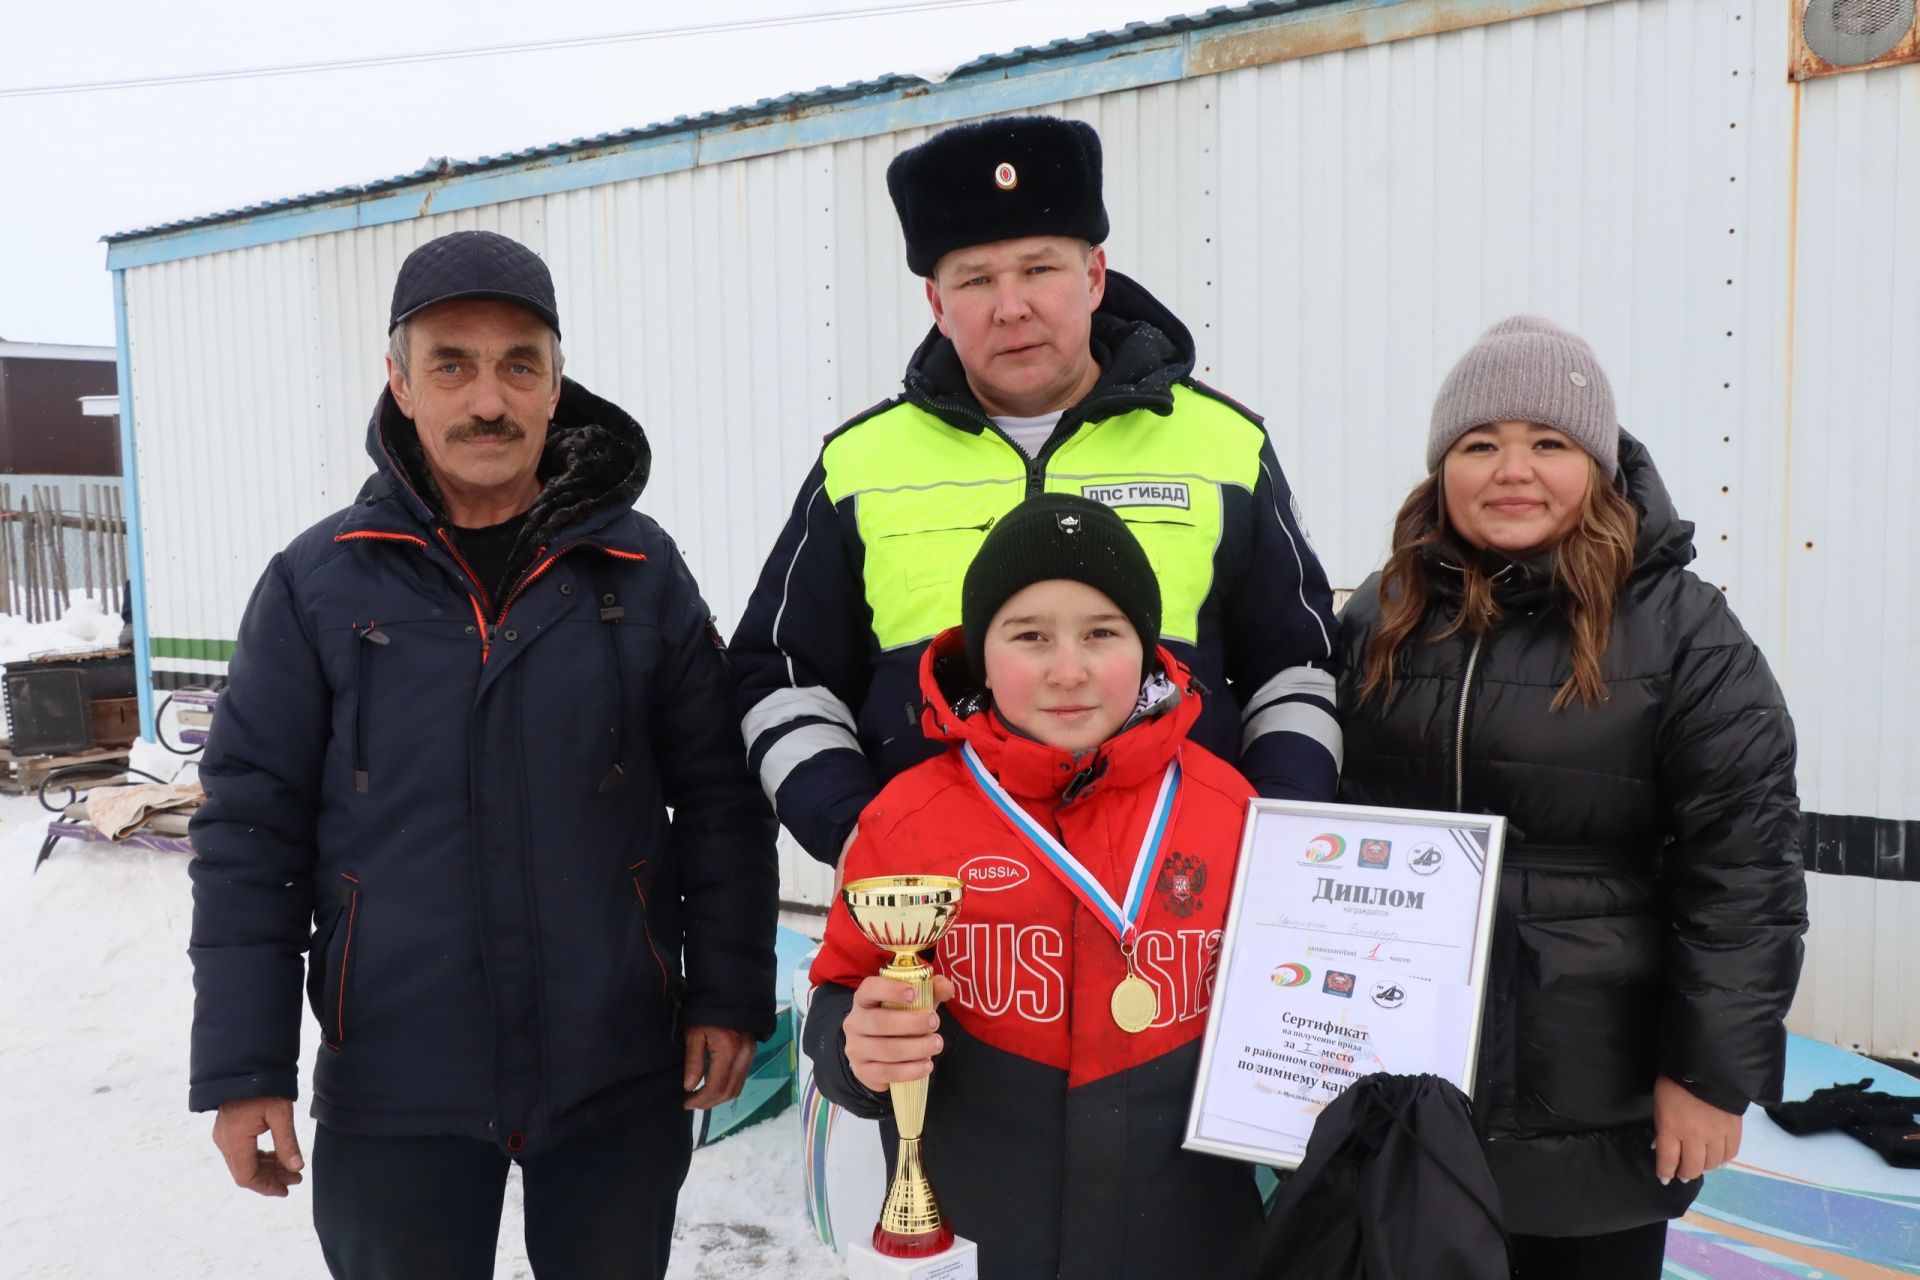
1356 941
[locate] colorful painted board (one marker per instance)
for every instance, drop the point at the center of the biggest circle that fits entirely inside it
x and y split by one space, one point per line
1822 1207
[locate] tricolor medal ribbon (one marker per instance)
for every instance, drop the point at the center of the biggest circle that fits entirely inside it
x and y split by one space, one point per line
1134 1003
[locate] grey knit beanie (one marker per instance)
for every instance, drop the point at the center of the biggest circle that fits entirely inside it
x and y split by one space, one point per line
1527 369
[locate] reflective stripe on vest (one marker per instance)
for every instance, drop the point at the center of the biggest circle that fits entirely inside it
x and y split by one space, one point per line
925 493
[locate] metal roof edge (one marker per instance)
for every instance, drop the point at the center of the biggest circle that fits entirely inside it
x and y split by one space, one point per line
1221 39
53 351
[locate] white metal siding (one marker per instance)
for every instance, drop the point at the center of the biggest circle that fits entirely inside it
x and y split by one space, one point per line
1335 230
1847 565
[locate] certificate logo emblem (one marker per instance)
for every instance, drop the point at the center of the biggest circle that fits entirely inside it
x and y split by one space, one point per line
1389 994
1292 975
1426 859
1376 854
1325 848
1338 984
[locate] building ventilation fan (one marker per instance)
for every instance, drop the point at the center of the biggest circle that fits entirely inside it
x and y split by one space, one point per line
1831 36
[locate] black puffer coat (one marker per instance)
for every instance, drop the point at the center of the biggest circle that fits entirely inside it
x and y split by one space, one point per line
1651 905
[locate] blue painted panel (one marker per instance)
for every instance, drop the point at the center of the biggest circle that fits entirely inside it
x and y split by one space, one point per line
130 485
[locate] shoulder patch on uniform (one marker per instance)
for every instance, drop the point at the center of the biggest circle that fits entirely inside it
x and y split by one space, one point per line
872 411
1213 393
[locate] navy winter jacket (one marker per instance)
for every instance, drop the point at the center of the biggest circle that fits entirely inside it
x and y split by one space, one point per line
514 842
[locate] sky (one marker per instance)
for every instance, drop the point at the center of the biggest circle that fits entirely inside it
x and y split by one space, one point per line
83 164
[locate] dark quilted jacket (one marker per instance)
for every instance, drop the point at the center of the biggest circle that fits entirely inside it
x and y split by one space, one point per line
1652 902
512 846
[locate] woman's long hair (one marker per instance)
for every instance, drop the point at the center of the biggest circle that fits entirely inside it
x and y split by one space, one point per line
1590 565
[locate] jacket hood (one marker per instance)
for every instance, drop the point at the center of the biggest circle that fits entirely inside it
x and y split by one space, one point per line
595 463
1664 541
958 711
1142 347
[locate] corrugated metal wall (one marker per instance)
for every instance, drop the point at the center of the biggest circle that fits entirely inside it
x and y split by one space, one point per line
1851 639
1334 229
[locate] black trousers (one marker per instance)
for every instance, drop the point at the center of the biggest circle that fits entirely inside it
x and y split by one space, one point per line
1637 1253
599 1206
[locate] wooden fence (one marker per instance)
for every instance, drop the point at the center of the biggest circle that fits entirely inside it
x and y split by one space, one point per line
48 552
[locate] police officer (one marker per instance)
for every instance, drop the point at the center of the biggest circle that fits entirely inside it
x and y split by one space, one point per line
1045 371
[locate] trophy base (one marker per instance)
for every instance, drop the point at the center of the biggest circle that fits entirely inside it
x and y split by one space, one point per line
960 1261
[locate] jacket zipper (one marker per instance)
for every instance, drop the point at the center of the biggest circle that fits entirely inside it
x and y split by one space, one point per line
1036 472
369 634
1460 732
486 600
1075 417
952 528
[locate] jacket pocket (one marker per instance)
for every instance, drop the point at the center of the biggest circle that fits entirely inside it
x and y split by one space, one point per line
913 576
330 960
1181 548
1586 994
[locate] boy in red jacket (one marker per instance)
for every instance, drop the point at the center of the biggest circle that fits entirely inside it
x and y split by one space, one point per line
1097 848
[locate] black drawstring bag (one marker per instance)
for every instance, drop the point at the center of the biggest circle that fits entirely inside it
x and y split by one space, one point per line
1394 1186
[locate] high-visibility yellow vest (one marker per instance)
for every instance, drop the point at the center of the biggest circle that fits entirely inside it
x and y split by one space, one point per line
925 493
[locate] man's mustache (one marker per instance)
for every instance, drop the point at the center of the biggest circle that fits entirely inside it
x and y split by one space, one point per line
484 429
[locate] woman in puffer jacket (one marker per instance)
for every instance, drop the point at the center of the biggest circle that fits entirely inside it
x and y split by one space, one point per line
1536 647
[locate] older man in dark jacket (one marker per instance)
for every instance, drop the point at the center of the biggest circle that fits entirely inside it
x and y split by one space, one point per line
474 766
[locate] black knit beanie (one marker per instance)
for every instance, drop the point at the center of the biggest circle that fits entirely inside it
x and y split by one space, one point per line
1059 535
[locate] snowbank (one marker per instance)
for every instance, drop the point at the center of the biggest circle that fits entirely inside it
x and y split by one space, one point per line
86 625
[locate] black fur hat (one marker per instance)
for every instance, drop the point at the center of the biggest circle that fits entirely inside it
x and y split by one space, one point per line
995 180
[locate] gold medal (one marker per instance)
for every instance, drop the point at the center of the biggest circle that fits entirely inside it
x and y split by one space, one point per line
1134 1004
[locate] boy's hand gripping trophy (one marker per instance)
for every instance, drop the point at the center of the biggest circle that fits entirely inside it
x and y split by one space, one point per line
906 915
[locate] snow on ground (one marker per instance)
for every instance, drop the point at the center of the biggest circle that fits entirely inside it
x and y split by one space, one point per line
104 1173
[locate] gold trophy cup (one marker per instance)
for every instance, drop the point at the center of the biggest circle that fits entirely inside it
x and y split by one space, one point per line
906 915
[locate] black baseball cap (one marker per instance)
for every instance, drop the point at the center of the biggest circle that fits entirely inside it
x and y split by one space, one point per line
474 264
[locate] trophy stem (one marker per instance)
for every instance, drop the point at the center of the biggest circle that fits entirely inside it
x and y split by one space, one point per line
904 915
910 1223
910 1096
